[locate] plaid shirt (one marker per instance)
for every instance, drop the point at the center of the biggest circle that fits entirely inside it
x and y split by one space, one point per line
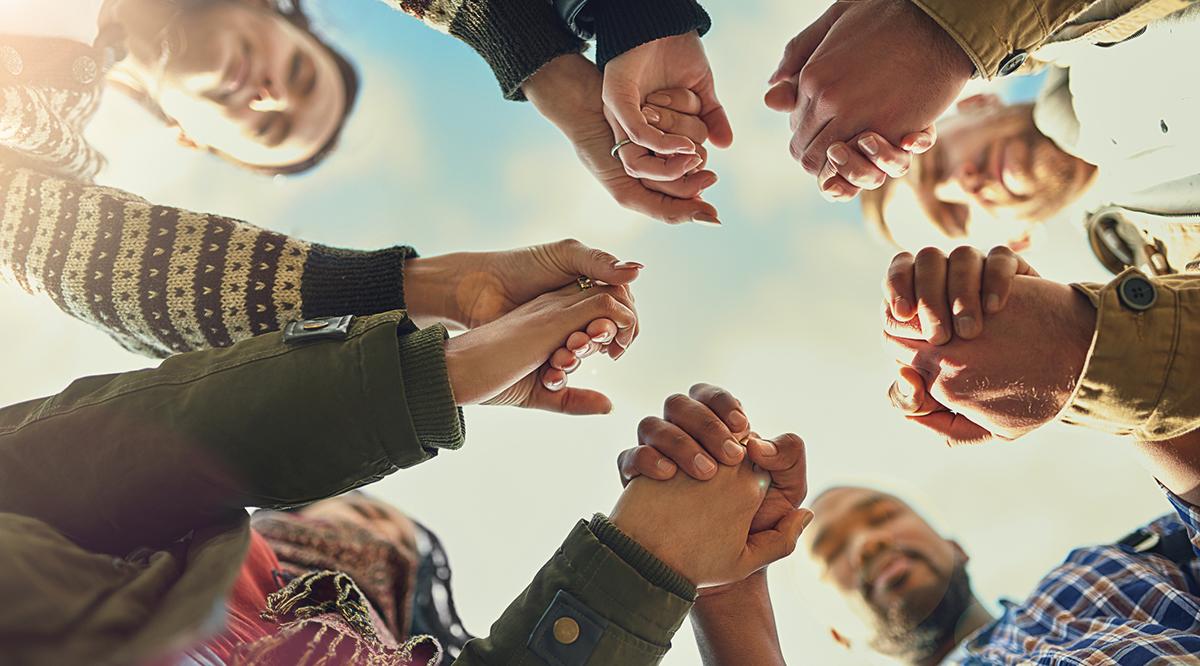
1104 605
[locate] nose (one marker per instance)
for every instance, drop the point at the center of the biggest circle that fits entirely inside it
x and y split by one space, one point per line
970 179
865 546
270 97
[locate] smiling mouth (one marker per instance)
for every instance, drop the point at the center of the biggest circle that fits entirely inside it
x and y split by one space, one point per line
888 575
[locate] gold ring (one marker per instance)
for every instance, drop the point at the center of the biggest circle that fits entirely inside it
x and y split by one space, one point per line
584 282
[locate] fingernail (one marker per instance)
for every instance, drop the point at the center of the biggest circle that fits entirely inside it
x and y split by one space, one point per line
665 465
651 115
659 99
733 449
706 219
738 420
903 389
574 366
869 145
901 307
808 518
965 326
838 154
602 338
555 385
628 264
704 465
769 447
938 334
695 162
581 351
922 143
992 303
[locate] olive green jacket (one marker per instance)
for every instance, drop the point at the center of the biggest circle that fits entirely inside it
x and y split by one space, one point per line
122 499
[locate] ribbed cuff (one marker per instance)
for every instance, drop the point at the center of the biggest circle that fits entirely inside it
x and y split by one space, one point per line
643 561
436 418
353 282
515 37
622 25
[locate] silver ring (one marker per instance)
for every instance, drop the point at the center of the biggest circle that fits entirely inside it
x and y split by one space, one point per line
617 148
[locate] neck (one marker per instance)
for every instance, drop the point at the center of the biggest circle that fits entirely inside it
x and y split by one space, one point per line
973 619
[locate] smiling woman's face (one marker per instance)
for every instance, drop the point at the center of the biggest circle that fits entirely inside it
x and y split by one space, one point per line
247 83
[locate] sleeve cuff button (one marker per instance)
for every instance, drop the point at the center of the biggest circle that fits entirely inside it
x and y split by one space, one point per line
1137 293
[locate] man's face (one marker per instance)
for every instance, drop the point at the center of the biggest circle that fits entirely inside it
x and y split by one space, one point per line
243 80
991 174
885 559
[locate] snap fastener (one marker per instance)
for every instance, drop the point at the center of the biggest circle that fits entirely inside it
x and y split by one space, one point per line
1137 293
566 630
85 69
1013 62
13 64
314 325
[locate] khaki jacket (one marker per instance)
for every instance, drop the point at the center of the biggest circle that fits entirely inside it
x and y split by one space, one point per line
123 500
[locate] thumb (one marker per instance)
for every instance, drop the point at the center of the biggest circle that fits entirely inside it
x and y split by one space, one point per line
571 401
720 131
625 104
782 96
579 259
909 394
767 546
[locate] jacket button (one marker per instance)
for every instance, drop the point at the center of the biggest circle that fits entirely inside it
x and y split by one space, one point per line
1013 62
566 630
1137 293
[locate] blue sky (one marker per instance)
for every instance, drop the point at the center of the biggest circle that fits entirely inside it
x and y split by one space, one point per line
780 306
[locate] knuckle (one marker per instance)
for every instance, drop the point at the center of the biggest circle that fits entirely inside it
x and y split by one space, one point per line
698 387
648 425
811 160
926 254
1002 251
675 401
607 303
964 253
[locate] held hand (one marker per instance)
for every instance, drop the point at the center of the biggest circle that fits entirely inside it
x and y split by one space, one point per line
966 285
1015 377
701 529
498 363
567 91
871 64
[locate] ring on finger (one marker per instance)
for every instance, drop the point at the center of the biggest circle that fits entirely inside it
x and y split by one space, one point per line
584 282
619 145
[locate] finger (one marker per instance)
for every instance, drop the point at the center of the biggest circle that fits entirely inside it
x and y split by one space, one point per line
964 276
705 427
929 279
625 103
908 330
640 162
957 429
564 359
602 331
722 403
898 287
833 187
918 143
801 47
683 124
917 354
553 379
689 186
785 459
580 344
712 112
782 96
676 445
813 137
772 545
889 159
636 196
910 396
625 334
572 402
577 259
609 302
644 461
855 168
680 100
999 270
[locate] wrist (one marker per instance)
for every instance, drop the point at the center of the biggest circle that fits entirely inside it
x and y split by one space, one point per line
566 90
430 284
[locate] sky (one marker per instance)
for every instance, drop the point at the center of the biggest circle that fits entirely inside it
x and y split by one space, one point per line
780 306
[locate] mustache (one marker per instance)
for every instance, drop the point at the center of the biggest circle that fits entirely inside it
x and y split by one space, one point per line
868 566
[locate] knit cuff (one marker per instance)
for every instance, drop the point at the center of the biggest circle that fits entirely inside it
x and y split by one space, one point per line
643 561
436 418
622 25
353 282
515 37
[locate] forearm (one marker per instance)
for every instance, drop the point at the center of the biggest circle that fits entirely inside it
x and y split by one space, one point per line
621 603
566 90
1176 464
139 458
515 37
736 625
163 280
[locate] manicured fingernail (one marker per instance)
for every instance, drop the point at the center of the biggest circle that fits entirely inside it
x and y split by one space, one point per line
706 220
659 99
651 115
733 449
628 264
769 447
964 326
903 389
704 465
737 420
992 303
574 366
838 154
665 465
602 338
869 145
581 351
555 385
922 143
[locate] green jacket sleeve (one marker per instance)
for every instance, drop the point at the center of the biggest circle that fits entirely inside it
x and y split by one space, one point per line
991 30
515 37
602 599
122 461
162 280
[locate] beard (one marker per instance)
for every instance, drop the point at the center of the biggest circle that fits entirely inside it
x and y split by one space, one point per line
900 635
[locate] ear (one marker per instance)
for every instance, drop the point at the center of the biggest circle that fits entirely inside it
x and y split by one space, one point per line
958 550
979 103
839 638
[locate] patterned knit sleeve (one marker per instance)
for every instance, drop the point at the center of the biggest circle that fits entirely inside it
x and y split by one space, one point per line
515 37
162 280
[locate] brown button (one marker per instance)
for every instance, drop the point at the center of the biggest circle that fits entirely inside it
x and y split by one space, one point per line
314 325
566 630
